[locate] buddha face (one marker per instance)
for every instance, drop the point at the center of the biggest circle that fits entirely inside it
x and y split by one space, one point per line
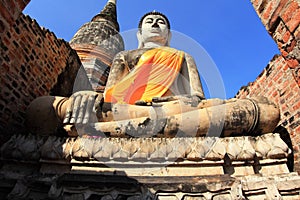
154 29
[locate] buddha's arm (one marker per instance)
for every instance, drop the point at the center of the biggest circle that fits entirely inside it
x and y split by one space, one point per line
118 70
190 73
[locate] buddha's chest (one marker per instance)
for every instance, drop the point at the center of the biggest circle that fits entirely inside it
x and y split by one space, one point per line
133 57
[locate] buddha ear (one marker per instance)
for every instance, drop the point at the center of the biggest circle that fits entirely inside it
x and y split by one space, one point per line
139 38
169 38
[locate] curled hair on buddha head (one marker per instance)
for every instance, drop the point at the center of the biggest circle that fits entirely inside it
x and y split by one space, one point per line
154 13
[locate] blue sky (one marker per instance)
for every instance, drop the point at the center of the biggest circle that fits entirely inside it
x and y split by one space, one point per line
227 39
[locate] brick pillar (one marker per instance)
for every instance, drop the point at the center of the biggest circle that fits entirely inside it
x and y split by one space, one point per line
280 80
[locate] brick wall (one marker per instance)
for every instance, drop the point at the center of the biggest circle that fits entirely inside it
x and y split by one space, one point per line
280 80
33 63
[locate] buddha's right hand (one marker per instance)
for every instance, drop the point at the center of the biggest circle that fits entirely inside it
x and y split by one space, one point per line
81 107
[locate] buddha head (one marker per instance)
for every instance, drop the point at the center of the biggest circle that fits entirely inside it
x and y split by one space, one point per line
154 29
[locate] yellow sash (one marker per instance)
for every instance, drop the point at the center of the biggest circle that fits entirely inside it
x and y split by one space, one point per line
152 77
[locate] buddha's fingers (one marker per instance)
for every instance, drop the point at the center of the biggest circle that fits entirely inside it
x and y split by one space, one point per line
76 107
69 109
82 109
89 108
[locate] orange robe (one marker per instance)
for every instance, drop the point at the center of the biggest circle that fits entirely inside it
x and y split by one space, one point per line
151 77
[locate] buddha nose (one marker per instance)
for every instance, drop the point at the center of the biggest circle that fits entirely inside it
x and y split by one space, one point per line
155 25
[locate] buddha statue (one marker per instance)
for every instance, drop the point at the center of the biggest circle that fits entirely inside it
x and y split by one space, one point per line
152 91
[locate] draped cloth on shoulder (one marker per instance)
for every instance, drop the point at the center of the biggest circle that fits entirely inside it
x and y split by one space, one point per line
153 75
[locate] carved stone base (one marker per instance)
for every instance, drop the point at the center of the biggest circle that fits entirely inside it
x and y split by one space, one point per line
34 167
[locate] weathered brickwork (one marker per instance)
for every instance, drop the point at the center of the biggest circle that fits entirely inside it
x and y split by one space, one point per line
10 11
280 80
33 63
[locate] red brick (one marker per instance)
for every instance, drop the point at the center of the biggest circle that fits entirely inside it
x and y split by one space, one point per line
286 36
294 86
268 11
275 94
256 3
289 10
11 7
297 106
22 4
5 14
292 63
277 12
297 130
293 23
285 67
283 52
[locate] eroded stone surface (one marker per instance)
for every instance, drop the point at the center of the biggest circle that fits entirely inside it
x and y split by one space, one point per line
269 146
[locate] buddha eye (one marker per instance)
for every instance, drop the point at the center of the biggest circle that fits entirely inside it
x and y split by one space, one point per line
148 21
161 21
